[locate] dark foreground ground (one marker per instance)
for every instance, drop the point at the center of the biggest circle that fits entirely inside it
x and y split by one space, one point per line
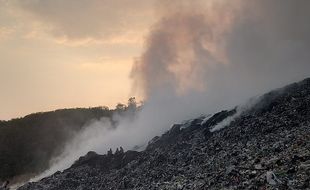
266 147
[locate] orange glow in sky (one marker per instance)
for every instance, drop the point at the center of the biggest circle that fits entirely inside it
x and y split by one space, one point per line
60 54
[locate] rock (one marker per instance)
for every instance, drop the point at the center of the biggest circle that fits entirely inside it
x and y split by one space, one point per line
272 178
265 147
258 166
230 169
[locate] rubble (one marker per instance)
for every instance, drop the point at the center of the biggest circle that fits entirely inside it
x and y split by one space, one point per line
264 148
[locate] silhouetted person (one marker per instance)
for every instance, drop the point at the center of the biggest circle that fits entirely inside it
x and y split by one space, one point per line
121 150
110 153
117 151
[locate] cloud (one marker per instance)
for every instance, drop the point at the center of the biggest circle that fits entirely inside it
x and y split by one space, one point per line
183 46
90 20
232 50
5 32
203 57
6 28
268 45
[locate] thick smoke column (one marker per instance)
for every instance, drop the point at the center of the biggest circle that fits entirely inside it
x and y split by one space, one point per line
183 46
202 57
233 49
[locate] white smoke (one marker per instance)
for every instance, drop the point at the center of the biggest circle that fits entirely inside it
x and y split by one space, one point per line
202 57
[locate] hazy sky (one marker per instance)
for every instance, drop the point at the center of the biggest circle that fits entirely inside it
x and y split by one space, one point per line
80 53
74 53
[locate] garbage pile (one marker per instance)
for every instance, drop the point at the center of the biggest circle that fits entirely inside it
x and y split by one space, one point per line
265 147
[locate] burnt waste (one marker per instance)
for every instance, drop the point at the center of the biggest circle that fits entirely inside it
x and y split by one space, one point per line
265 147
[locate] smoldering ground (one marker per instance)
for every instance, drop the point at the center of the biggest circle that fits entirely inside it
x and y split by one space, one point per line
201 57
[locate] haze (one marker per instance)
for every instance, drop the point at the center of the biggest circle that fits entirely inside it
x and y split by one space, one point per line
185 58
80 53
61 54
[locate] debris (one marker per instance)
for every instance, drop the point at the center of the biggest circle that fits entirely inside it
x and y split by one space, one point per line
266 147
272 178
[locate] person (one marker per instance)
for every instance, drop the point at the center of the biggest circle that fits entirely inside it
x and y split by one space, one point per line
116 152
121 150
110 152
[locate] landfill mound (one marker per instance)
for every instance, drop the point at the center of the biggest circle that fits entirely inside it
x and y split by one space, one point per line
264 147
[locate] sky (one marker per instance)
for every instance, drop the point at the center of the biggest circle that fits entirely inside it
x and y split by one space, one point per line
76 53
83 53
183 57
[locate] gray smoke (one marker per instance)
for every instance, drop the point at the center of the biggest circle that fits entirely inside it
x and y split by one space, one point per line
203 56
225 51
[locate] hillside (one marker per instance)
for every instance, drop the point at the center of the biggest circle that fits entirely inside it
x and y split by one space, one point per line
27 144
265 147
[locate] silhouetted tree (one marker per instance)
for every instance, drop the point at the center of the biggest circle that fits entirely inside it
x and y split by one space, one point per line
27 144
120 107
132 104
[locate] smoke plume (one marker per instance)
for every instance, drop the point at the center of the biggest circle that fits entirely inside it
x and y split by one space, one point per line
203 56
225 48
